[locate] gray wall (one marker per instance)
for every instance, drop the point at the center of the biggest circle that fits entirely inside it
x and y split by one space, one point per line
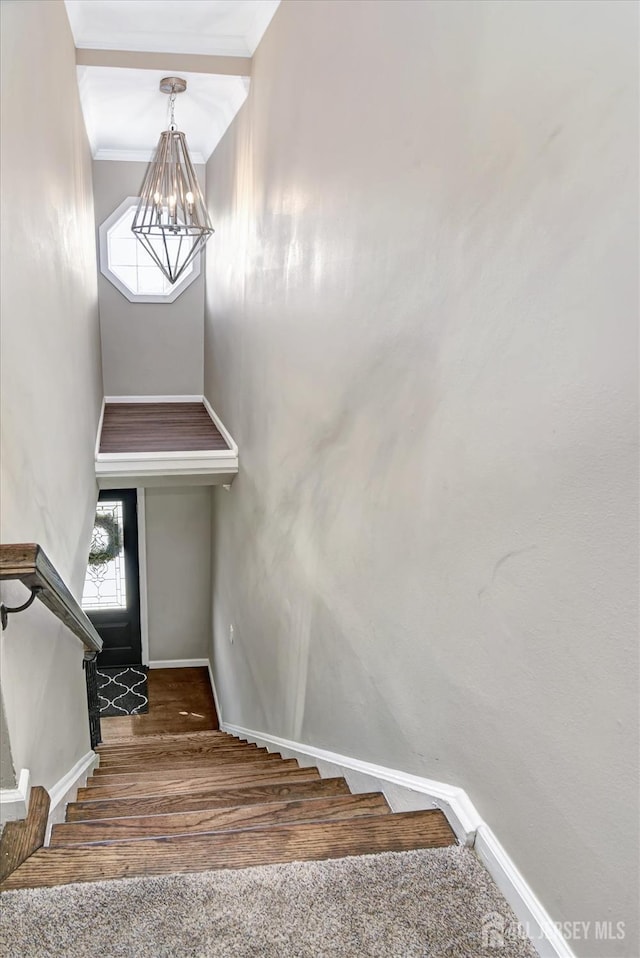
51 382
420 329
178 538
7 770
148 349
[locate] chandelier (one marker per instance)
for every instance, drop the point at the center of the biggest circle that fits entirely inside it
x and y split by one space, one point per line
171 220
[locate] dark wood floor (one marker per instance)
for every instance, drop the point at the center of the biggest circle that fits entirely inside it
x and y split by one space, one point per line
159 427
180 700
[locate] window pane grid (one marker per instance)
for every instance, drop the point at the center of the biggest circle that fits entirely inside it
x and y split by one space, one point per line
105 585
132 264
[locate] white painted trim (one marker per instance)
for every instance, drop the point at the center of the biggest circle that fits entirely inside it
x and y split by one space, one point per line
158 473
132 399
169 456
176 290
136 467
14 802
463 817
231 452
122 471
529 910
178 663
142 574
221 426
66 788
123 467
100 422
215 693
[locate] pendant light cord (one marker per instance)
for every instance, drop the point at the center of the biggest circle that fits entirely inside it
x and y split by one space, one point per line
172 103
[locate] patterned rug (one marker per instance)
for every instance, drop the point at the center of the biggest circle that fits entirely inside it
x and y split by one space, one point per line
123 690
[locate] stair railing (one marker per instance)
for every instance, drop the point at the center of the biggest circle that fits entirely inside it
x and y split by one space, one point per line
28 563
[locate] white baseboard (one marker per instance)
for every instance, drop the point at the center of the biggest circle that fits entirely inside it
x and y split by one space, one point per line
221 426
66 788
178 663
529 910
14 802
148 399
99 433
454 802
404 792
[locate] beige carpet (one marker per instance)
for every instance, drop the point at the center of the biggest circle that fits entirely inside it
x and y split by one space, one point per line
395 905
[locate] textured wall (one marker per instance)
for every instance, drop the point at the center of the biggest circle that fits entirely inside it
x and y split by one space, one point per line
178 536
420 329
7 771
148 349
51 383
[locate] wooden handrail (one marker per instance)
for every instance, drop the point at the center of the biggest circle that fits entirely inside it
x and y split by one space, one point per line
28 563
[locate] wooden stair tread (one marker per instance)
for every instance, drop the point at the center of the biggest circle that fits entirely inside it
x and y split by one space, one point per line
224 772
204 735
234 849
169 748
208 798
221 819
173 786
176 764
126 766
143 758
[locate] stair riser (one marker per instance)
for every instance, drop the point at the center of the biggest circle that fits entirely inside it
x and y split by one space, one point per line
268 815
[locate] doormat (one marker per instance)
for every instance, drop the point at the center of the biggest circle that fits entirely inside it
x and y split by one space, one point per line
123 690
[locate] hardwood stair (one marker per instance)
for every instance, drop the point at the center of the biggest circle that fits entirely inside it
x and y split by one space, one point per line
205 800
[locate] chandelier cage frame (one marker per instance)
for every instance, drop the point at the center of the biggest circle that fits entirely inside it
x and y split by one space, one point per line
171 220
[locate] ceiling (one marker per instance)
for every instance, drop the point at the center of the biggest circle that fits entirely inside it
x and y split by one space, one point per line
124 110
212 27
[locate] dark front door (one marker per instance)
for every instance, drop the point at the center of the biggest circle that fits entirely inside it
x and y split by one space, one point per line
112 589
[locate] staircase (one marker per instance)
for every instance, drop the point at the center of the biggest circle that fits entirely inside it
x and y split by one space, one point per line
201 801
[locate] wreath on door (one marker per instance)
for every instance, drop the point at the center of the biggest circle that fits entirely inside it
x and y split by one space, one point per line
106 527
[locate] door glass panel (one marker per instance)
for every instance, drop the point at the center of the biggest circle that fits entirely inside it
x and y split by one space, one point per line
105 586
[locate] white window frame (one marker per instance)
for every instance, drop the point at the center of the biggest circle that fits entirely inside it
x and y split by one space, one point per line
103 232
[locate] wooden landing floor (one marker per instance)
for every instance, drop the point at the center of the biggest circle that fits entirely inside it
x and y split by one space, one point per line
159 427
180 700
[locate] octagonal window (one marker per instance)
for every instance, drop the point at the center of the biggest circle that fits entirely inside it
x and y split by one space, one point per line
125 262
